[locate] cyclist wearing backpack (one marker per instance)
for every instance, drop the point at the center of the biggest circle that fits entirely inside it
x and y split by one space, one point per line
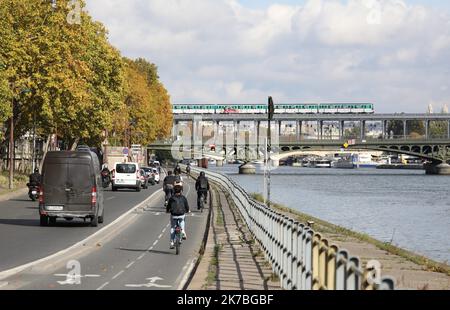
168 185
202 188
177 206
178 177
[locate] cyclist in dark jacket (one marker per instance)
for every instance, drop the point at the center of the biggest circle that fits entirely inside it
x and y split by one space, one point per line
177 206
35 178
202 188
177 169
168 185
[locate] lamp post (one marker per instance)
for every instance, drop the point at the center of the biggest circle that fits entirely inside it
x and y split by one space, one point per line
271 112
11 147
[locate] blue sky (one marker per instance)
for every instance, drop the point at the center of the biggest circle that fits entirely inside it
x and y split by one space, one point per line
439 4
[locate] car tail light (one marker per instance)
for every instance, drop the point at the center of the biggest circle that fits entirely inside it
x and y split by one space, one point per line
41 195
138 175
94 196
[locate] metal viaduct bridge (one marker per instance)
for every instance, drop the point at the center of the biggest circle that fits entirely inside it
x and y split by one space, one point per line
434 149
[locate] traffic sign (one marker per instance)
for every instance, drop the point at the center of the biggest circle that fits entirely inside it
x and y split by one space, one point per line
125 151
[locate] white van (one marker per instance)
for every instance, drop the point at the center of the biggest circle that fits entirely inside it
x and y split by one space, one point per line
126 175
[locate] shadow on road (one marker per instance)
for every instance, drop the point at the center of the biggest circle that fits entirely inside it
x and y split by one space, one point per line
148 251
35 223
22 200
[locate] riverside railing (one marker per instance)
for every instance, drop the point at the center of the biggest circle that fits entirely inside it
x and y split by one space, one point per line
300 257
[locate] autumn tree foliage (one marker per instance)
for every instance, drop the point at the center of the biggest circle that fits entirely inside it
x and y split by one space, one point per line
147 114
66 78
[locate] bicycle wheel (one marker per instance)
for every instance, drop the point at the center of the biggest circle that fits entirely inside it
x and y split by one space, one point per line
177 245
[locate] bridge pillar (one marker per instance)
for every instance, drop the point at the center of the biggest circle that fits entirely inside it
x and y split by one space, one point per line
363 129
236 131
247 168
320 130
427 129
216 131
298 130
175 130
448 129
384 128
404 129
437 169
341 129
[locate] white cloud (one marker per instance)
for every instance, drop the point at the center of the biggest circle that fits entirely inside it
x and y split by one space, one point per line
385 51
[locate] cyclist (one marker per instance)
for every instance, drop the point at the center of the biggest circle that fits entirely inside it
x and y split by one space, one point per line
188 169
178 206
168 185
178 177
177 169
202 188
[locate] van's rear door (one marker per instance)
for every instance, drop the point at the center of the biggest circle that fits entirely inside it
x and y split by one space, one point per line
54 183
80 181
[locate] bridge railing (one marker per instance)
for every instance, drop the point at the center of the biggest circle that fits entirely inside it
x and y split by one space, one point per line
301 257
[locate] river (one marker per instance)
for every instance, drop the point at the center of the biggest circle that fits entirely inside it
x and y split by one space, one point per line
408 207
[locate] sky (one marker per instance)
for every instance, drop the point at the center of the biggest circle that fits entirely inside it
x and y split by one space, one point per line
393 53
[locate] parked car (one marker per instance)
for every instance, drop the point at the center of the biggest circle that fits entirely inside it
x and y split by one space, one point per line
71 188
150 175
156 175
144 178
126 175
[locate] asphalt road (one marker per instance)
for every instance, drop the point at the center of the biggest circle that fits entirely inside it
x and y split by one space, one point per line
22 240
137 257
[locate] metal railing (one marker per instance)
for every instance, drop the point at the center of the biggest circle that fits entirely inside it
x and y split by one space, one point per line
300 257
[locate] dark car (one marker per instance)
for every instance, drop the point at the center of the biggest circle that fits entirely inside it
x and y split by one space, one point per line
71 188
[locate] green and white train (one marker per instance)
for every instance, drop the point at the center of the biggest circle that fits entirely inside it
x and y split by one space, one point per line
321 108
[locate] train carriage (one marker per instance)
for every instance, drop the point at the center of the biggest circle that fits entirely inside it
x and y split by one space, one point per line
308 108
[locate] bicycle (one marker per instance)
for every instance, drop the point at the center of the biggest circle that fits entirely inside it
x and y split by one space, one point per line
203 198
178 237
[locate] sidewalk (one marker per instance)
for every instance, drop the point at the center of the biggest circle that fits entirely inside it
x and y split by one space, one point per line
232 259
7 194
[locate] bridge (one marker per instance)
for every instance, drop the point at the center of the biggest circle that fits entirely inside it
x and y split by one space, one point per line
242 136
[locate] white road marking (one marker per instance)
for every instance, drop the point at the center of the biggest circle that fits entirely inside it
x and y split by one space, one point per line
72 279
117 275
103 286
151 283
188 267
129 265
160 236
79 276
110 198
141 257
155 243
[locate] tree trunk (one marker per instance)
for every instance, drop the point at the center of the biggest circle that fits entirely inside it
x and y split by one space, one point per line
46 146
75 144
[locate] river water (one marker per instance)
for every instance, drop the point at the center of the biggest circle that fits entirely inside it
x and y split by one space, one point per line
408 207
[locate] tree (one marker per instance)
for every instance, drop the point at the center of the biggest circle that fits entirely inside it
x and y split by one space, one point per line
147 114
74 75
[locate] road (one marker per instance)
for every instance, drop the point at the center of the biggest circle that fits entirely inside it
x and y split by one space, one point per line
136 256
